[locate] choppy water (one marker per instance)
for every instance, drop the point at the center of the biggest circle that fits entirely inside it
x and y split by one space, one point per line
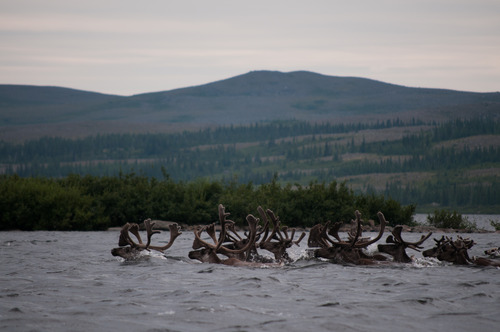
63 281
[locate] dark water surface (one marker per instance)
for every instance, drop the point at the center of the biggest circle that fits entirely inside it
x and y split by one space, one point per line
68 281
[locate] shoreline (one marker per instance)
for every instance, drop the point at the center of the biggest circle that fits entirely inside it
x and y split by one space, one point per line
164 226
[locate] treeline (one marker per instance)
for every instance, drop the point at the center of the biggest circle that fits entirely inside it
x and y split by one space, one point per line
276 147
166 146
300 152
94 203
446 193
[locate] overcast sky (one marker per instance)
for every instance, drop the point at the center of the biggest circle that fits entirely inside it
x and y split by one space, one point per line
129 47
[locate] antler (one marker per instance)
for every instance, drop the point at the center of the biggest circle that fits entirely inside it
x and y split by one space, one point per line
283 238
174 233
318 235
315 239
354 243
222 218
383 222
358 228
218 244
265 227
299 239
396 232
252 223
230 226
276 230
276 225
199 243
126 240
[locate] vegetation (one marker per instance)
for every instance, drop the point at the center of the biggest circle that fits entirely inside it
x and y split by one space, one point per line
244 99
306 168
495 224
448 219
455 164
92 203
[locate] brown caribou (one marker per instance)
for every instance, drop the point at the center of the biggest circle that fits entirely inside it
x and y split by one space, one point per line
206 252
233 240
448 250
456 251
129 249
342 252
396 246
279 240
493 252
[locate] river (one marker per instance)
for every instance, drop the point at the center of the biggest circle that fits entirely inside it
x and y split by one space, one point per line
69 281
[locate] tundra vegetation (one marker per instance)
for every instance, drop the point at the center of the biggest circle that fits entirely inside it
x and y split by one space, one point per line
495 224
453 164
89 202
447 219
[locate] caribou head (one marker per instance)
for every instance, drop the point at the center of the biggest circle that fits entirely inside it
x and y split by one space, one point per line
129 249
456 252
396 246
279 240
448 250
341 251
207 252
493 252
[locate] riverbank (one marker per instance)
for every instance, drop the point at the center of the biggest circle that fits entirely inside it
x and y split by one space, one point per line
482 222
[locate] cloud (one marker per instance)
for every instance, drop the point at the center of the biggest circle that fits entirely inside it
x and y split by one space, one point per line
450 43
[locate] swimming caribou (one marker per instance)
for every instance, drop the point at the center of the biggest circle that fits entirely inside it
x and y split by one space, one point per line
324 241
129 249
207 252
396 246
345 252
455 251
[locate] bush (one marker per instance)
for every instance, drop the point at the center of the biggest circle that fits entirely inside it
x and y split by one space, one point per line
495 224
93 203
447 219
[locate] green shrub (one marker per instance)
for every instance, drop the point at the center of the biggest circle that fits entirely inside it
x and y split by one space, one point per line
93 203
495 224
447 219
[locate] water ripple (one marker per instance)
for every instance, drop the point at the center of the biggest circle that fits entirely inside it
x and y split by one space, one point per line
62 281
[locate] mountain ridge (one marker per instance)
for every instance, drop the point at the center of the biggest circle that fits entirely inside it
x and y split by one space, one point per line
257 96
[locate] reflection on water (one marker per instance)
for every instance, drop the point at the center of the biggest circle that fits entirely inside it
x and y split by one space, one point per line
63 281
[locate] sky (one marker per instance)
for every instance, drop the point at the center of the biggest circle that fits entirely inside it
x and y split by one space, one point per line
129 47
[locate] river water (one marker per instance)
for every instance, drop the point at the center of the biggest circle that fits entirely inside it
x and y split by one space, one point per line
69 281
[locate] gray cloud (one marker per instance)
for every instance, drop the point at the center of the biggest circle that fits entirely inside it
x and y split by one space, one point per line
128 47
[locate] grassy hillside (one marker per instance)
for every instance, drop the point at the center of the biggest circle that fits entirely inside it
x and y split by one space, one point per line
22 105
28 112
433 148
454 164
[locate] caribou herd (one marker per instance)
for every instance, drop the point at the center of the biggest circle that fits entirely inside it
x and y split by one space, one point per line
266 234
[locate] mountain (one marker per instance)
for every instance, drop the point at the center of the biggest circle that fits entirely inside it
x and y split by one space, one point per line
259 96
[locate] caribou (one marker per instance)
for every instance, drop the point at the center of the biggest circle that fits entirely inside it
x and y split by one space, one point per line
493 252
238 249
456 252
129 249
279 240
342 252
396 247
207 252
324 241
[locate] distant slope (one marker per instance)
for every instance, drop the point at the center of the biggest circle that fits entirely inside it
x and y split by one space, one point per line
266 95
29 112
25 104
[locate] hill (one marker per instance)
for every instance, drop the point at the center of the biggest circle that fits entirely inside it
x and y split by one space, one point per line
29 112
430 147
